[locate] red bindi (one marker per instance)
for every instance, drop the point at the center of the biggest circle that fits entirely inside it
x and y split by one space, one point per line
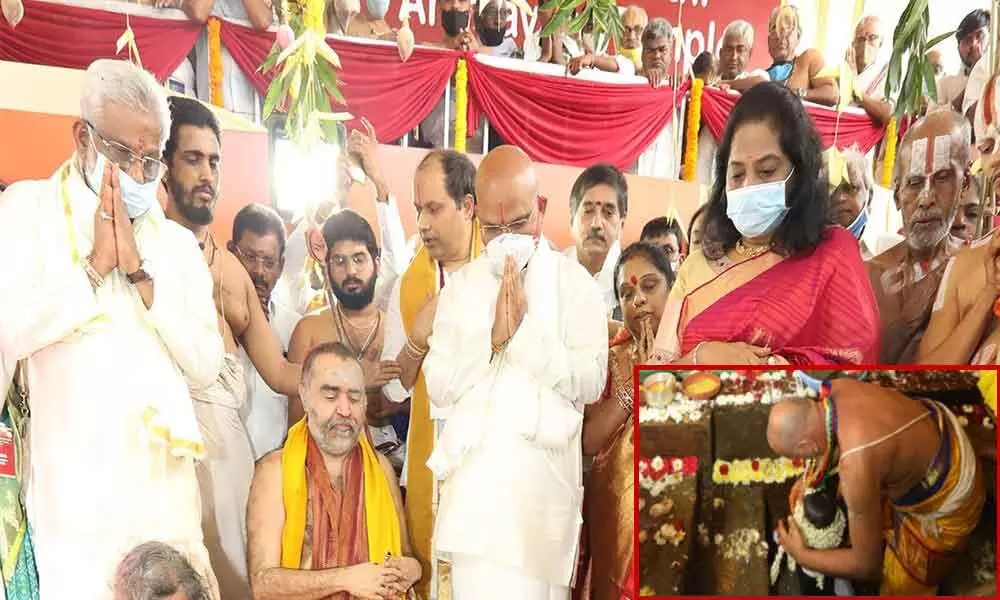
634 280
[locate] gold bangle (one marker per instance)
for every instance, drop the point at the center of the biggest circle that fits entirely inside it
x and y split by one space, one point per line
414 351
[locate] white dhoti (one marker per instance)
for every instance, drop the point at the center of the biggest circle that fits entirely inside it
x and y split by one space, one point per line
474 578
224 477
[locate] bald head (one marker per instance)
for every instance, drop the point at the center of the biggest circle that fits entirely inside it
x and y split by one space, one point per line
507 193
792 428
934 58
867 41
634 21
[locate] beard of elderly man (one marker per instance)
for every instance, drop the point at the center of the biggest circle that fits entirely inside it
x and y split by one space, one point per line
931 176
326 515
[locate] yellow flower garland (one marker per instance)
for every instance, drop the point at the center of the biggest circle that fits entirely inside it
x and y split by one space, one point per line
742 471
890 153
693 126
461 104
215 62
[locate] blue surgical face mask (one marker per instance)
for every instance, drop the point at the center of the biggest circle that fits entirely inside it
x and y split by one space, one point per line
857 227
780 72
137 197
757 210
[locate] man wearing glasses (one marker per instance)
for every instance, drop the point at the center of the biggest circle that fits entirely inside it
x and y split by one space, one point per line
259 244
192 157
870 69
105 305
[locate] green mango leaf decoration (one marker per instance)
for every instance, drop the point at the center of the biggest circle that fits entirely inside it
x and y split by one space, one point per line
602 15
305 82
909 51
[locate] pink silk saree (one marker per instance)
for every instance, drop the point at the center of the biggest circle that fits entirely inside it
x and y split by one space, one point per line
813 309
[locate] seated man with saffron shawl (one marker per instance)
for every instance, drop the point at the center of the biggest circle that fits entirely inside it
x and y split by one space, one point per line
771 282
326 518
908 474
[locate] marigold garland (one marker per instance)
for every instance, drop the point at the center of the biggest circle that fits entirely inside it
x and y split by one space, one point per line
890 153
461 104
215 62
693 127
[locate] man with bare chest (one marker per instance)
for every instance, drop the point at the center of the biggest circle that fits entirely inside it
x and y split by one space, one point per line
192 180
354 320
911 454
964 328
930 179
326 514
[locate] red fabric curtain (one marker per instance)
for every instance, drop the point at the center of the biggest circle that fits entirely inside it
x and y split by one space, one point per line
393 95
563 120
716 106
60 35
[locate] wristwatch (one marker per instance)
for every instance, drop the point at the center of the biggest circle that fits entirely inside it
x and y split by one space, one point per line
139 275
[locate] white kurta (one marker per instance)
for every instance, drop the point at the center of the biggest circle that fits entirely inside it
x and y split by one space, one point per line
510 455
606 276
266 411
96 363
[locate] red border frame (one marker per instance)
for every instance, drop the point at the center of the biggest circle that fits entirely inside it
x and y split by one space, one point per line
636 435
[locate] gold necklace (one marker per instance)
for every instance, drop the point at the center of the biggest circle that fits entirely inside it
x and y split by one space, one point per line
750 252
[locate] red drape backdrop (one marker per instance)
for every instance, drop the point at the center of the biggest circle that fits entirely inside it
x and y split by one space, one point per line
393 95
716 105
61 35
568 121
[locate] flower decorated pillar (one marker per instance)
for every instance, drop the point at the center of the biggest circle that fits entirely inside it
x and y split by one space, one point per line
461 104
693 127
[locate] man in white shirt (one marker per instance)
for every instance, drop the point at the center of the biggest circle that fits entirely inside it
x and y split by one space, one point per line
734 58
869 69
109 305
598 205
259 244
518 347
238 94
658 67
972 35
634 20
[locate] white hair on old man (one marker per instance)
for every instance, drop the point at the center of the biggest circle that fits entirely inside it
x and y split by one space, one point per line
120 82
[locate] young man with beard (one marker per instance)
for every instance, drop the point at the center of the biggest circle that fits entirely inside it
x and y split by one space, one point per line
351 268
192 158
931 176
259 244
598 205
444 198
964 327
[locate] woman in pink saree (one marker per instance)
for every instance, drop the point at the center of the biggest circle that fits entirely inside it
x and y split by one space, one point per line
774 282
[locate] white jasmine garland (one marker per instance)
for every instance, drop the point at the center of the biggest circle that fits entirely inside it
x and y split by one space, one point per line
814 537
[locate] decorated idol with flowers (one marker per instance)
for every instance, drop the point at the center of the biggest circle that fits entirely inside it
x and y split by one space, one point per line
915 452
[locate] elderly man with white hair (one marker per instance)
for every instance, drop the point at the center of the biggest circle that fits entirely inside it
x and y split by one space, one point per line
869 69
108 307
734 58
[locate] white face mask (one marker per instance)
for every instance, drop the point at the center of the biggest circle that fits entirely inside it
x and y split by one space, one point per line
757 210
137 197
518 246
